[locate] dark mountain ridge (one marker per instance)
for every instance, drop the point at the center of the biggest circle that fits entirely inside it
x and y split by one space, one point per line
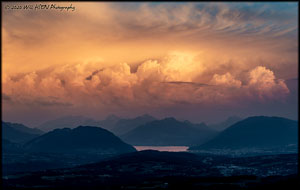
80 139
70 121
18 133
255 132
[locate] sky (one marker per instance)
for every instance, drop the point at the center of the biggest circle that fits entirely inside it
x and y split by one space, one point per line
202 61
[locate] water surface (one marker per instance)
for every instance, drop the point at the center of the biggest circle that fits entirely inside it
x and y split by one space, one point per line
163 148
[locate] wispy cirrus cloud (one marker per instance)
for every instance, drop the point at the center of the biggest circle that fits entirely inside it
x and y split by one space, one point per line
158 27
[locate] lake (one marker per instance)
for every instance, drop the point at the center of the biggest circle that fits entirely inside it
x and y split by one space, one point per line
163 148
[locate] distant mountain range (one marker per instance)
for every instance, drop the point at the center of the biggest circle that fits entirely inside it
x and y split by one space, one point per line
18 133
123 126
169 132
109 122
83 139
69 122
145 130
255 132
117 125
225 124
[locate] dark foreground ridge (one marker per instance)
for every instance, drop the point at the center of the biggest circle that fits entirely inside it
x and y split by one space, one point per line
167 170
61 148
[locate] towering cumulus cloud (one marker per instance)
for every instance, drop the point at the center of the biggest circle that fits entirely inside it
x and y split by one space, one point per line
263 82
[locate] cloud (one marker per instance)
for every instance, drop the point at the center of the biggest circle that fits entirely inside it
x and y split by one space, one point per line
262 82
214 28
155 83
237 18
109 57
52 102
226 80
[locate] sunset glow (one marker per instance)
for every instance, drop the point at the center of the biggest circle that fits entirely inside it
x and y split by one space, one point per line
196 61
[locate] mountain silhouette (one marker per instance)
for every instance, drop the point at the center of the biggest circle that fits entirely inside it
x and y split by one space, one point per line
123 126
169 132
83 139
255 132
18 133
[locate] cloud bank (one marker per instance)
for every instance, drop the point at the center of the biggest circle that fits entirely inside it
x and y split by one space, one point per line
155 83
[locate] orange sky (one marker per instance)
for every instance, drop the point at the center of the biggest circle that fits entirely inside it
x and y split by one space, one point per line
136 58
